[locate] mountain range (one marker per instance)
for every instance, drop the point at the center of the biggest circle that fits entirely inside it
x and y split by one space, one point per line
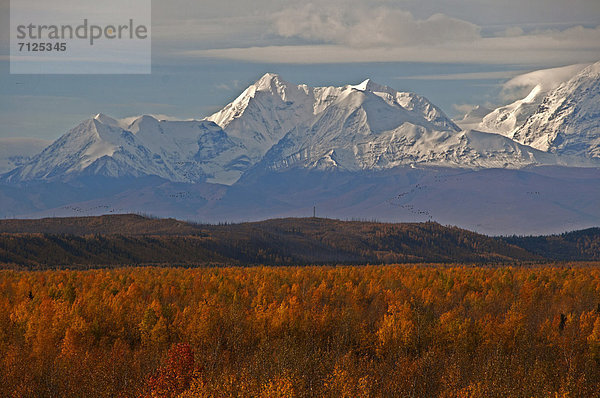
362 150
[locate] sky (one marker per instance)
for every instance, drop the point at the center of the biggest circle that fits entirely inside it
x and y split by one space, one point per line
457 53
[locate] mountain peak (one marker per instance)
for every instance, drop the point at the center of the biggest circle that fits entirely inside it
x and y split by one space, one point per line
370 85
105 119
143 122
268 80
270 76
146 118
593 69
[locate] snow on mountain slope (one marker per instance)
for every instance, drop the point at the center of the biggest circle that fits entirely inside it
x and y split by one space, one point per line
528 91
194 149
415 104
275 125
264 113
178 151
472 119
94 148
410 144
270 109
568 120
17 151
368 126
355 127
506 119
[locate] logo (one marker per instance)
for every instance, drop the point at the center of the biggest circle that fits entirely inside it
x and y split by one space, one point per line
80 37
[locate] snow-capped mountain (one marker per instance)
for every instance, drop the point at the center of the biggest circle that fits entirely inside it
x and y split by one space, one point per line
396 157
275 125
272 109
177 151
264 113
357 127
369 126
528 91
560 114
567 121
225 145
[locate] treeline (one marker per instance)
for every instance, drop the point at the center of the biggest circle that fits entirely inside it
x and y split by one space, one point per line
271 242
124 224
375 331
119 240
578 245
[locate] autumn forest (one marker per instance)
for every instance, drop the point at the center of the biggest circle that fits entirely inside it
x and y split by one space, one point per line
364 331
128 306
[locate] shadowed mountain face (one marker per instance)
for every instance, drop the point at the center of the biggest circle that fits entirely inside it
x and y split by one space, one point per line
133 240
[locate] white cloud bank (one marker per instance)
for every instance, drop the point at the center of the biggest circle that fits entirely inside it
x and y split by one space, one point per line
333 34
380 26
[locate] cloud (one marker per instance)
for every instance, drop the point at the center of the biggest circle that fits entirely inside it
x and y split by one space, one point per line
546 48
158 116
547 79
347 31
360 27
463 108
513 31
503 74
234 85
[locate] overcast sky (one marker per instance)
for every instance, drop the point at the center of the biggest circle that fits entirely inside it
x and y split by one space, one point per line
456 52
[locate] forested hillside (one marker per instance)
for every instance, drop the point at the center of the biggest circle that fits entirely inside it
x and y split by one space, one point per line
581 245
135 240
122 224
84 242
